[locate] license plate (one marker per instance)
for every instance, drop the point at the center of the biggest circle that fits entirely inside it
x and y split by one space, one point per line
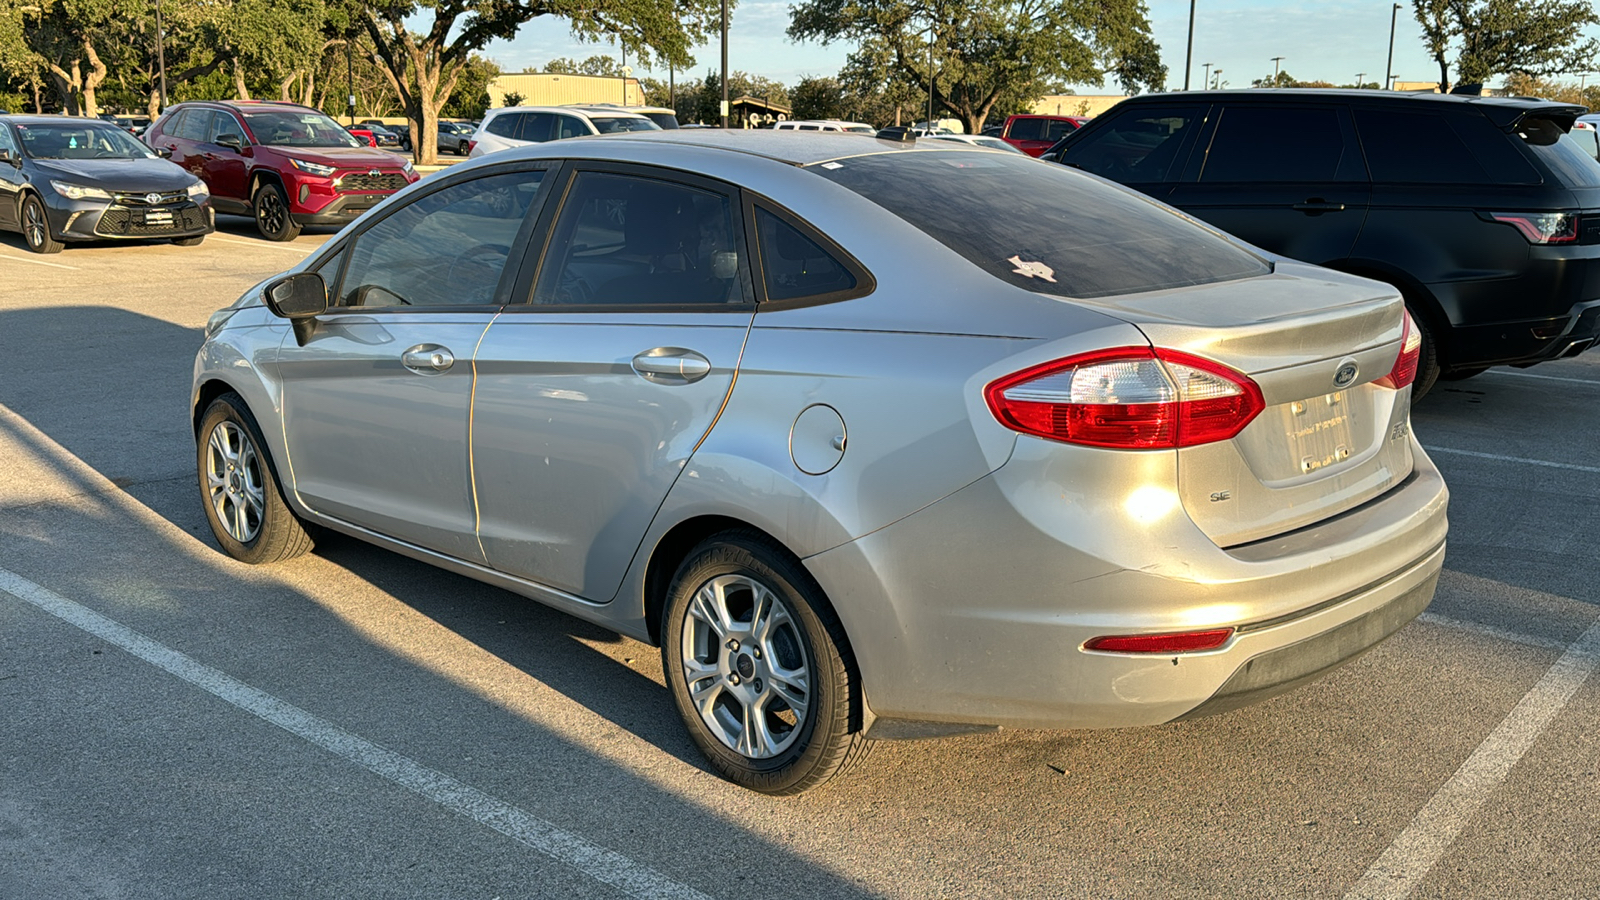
1320 431
158 217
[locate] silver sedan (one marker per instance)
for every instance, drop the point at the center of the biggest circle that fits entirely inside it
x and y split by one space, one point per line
876 439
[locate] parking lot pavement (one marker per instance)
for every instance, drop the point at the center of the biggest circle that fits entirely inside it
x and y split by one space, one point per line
353 723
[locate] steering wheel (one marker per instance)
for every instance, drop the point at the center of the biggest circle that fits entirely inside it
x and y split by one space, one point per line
488 258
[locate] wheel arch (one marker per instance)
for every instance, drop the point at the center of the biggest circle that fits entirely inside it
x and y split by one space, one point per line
1417 296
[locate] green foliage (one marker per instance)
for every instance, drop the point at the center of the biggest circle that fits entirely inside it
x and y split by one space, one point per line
1507 37
818 98
701 102
470 99
983 53
598 64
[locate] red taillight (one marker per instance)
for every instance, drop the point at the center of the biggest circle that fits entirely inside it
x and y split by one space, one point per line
1405 365
1132 398
470 145
1542 228
1177 642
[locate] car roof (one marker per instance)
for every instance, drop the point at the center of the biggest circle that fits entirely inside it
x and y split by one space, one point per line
1501 110
250 105
35 119
590 111
793 147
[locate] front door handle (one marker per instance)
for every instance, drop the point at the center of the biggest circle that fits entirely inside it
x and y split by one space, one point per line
1318 205
671 364
427 359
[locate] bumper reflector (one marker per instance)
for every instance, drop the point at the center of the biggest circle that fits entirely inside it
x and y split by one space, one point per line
1177 642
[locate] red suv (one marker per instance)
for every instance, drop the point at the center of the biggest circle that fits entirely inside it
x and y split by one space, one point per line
286 165
1034 135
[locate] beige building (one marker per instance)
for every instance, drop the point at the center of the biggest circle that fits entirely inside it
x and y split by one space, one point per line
1076 104
560 90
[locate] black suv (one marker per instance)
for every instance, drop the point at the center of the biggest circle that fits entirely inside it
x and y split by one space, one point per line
1481 210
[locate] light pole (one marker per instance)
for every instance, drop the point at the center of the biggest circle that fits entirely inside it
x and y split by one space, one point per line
161 58
1188 55
1217 76
724 63
1388 69
1205 80
1361 80
1275 61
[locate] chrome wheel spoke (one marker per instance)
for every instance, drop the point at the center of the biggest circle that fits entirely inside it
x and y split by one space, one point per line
755 740
710 607
793 688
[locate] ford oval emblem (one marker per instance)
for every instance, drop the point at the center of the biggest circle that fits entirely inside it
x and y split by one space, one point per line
1345 375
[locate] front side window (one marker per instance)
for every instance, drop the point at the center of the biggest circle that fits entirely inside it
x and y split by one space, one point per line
628 240
447 248
1059 129
1267 144
1137 146
299 129
1027 130
570 127
224 124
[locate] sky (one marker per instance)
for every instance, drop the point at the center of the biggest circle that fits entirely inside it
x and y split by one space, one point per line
1328 40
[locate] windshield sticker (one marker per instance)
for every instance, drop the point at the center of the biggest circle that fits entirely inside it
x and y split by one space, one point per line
1032 269
833 165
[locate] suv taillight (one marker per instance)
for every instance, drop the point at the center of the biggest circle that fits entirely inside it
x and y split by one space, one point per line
1542 228
1133 398
470 145
1405 365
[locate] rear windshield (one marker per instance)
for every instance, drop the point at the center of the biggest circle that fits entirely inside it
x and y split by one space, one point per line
1560 152
1043 226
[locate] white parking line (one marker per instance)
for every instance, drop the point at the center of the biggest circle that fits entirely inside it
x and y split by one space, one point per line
1516 459
1424 842
1503 634
37 262
1589 381
597 862
266 244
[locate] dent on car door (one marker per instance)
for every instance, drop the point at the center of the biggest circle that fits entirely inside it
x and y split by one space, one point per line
592 397
376 401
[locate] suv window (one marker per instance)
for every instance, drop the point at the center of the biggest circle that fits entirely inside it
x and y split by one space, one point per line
795 266
569 127
623 239
1058 129
1027 130
221 124
7 142
1561 153
191 124
1277 143
538 127
447 248
1412 147
1137 146
1045 228
505 125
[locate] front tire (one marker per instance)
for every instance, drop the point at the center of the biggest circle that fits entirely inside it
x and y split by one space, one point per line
195 241
272 213
36 227
243 504
759 667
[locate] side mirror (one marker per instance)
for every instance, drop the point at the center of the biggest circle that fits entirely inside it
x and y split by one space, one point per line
164 152
6 156
233 142
300 298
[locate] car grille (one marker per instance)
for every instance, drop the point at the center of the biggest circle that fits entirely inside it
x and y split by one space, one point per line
139 199
364 182
120 221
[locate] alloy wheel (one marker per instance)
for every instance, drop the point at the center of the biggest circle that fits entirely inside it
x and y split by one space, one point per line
33 224
270 212
745 666
233 482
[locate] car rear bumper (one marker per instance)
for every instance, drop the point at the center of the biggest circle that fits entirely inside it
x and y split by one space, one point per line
1527 342
975 610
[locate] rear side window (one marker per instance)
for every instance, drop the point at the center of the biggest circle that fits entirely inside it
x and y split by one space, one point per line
1267 144
794 266
1410 147
1042 227
504 126
191 124
1137 146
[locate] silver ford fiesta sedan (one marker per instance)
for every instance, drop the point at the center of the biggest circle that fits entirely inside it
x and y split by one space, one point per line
875 438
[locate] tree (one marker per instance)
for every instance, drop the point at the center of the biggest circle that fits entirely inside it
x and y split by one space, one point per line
470 99
818 98
599 64
986 51
1507 37
424 67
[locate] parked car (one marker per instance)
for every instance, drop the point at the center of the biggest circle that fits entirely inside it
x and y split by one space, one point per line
65 179
455 137
661 115
364 134
287 166
134 125
1474 207
977 140
865 469
833 125
384 136
1034 134
403 132
519 126
1586 131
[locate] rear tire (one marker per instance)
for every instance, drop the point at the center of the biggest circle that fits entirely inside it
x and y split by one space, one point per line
759 667
36 227
239 489
1427 358
272 213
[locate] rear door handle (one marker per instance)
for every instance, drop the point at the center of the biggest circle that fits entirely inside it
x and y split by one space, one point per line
428 359
671 364
1318 205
